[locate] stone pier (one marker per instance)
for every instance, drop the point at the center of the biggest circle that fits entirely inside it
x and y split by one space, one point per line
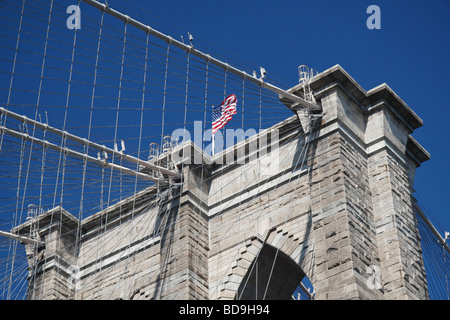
334 205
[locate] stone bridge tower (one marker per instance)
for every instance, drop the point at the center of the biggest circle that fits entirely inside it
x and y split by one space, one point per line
335 205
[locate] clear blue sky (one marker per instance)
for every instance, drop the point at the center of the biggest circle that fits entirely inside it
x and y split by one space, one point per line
410 53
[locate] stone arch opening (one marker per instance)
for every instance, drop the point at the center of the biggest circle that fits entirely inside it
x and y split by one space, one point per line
273 275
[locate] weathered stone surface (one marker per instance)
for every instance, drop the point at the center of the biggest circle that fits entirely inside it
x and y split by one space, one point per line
231 231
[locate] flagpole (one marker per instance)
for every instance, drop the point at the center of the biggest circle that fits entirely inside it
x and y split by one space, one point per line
212 153
213 142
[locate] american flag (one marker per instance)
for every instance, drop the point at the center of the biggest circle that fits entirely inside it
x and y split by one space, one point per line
223 113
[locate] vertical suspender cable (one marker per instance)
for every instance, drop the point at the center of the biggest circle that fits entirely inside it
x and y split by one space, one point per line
117 111
164 93
13 66
15 219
